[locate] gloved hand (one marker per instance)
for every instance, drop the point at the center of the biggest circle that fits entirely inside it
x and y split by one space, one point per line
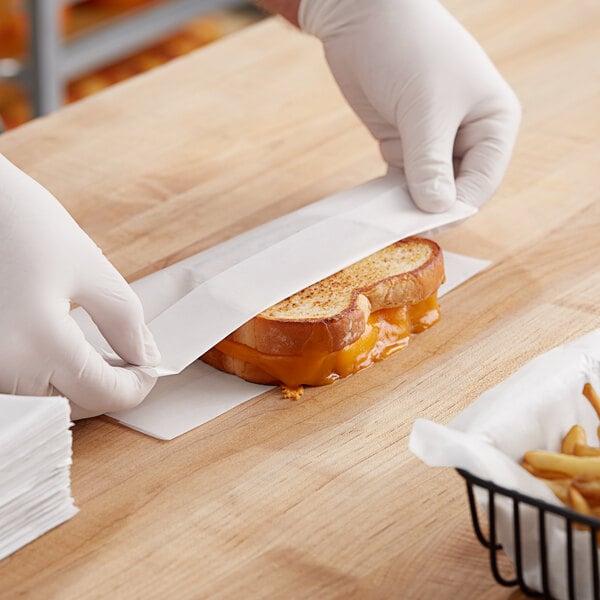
47 260
425 89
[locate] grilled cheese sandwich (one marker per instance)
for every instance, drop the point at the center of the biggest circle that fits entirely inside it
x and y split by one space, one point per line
342 324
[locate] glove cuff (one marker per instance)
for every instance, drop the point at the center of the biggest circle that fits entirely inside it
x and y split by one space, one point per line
323 18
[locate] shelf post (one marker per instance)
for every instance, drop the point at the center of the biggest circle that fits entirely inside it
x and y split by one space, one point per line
44 51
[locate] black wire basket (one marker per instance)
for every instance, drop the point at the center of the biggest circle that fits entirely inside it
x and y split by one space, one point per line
571 519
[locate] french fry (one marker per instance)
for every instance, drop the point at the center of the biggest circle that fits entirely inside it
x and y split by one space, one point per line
560 487
590 393
573 466
573 475
588 488
585 450
576 435
541 473
577 501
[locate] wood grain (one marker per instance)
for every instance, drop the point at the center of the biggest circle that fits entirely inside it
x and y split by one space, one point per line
318 498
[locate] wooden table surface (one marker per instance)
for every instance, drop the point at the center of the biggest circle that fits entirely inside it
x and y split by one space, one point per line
319 498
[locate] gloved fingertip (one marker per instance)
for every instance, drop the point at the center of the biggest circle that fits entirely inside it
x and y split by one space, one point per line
434 196
152 356
141 349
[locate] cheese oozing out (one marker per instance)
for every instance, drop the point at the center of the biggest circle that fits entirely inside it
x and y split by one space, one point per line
387 331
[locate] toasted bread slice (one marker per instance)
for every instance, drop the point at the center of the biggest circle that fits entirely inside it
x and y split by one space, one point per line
328 318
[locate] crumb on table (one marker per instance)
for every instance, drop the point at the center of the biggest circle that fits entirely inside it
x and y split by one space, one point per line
292 393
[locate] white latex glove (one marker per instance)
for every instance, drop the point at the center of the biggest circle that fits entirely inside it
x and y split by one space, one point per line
425 89
46 261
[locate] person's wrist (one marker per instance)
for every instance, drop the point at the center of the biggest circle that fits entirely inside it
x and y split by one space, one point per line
314 16
288 9
322 18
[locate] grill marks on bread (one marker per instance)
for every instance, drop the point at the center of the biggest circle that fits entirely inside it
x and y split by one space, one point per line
328 298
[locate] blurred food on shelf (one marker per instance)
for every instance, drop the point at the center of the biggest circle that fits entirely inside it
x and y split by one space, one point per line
13 29
196 34
15 108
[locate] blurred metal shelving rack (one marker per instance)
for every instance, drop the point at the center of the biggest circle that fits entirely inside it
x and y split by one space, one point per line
54 60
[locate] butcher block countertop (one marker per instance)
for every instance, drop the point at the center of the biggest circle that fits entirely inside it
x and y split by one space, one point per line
319 498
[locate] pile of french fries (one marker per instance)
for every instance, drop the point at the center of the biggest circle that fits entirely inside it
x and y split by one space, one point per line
573 474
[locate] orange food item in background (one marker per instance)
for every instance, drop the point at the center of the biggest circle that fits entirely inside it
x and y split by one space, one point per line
14 106
193 36
13 29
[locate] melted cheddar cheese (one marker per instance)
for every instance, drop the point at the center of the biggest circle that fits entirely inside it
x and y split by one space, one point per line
387 331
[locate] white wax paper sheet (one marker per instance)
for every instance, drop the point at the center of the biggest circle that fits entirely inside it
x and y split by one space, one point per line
195 303
179 403
532 409
192 305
